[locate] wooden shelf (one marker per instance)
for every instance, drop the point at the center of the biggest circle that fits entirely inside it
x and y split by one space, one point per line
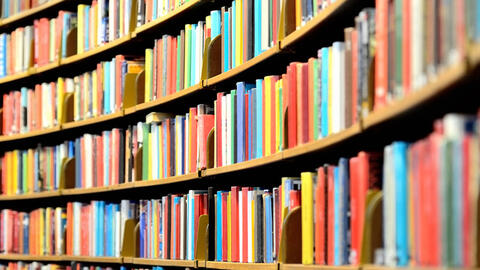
243 165
93 259
442 82
93 120
46 67
22 257
239 266
16 76
162 262
29 196
79 191
230 74
31 12
473 54
166 181
5 138
316 267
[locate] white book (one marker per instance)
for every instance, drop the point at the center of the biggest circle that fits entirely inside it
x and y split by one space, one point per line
342 94
264 25
76 228
250 229
198 51
389 214
28 32
187 143
240 225
189 222
178 143
88 161
154 151
118 237
229 130
223 140
51 51
112 84
417 40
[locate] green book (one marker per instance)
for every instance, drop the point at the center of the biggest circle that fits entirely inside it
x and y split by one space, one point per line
397 88
188 32
24 173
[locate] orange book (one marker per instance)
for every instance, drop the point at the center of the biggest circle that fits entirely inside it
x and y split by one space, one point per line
69 230
148 10
173 87
158 71
118 81
193 139
169 65
381 55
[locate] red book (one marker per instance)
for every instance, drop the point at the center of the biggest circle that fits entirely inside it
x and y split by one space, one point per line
330 216
292 105
159 53
165 220
177 230
310 93
193 140
218 129
5 113
224 227
173 87
36 38
172 225
247 152
69 230
169 64
119 59
235 226
18 109
205 125
245 224
275 20
356 209
302 99
285 94
406 49
354 75
44 40
273 121
198 205
294 199
115 152
320 217
381 55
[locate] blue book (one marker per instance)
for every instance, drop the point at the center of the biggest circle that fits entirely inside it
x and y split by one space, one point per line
257 14
142 229
268 229
226 40
233 34
108 228
259 116
219 226
324 98
100 233
240 116
3 55
87 27
216 23
65 29
401 201
154 11
343 206
26 223
336 216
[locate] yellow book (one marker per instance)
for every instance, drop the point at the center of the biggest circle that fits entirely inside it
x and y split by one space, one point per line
30 176
283 205
329 106
208 22
80 28
307 216
238 33
95 109
122 15
76 96
298 13
60 97
148 73
268 115
229 225
15 172
8 157
86 96
95 26
278 122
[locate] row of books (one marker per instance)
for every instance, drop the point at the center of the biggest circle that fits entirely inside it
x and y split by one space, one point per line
34 170
150 10
30 266
96 93
102 22
12 7
416 40
35 45
39 232
34 109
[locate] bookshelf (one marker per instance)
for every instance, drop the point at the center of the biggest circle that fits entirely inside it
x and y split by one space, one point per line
33 12
445 81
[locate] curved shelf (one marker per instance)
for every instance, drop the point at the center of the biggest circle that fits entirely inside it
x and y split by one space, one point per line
93 120
238 266
162 262
37 195
9 138
31 12
23 257
317 267
17 76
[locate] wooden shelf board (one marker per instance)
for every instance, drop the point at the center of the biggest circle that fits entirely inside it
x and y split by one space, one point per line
317 267
163 262
5 138
243 67
473 55
94 259
24 257
29 12
241 266
47 67
122 186
323 143
170 15
16 76
243 165
310 25
28 196
165 99
77 191
93 120
168 180
95 51
440 83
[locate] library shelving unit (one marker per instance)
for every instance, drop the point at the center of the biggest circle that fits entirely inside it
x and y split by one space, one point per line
381 123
